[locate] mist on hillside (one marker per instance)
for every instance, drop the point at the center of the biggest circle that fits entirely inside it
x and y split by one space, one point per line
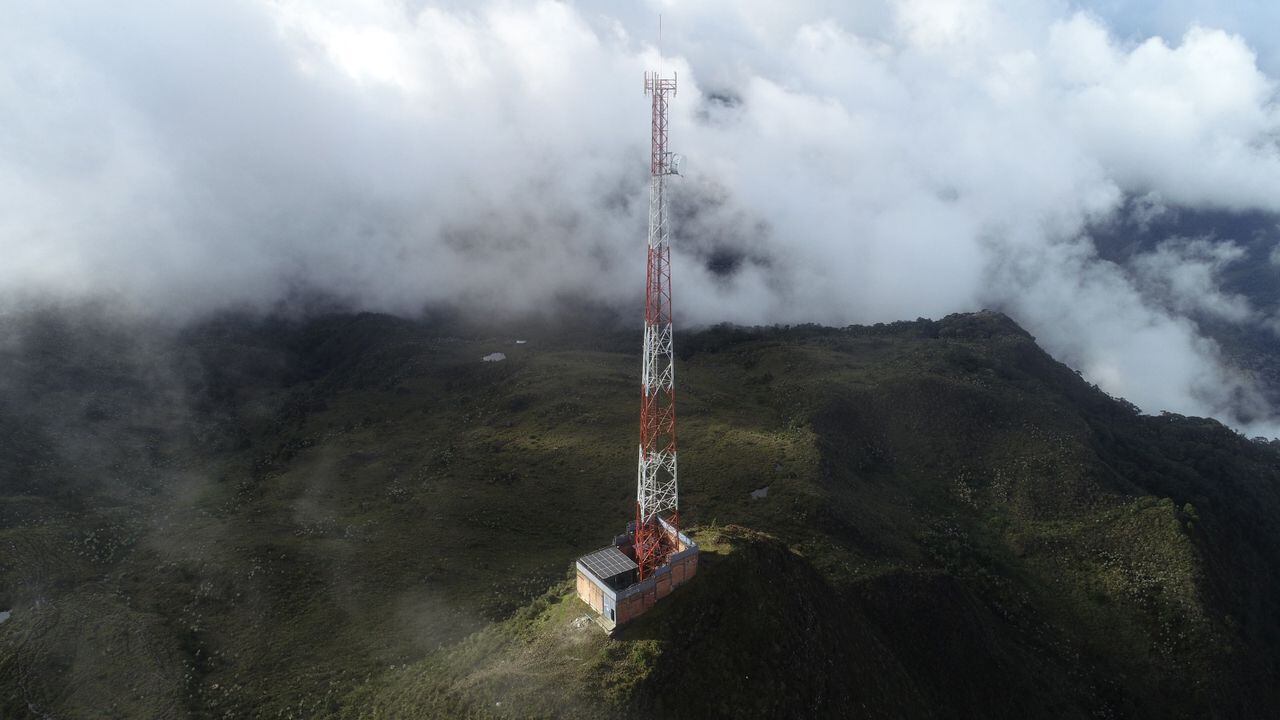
844 166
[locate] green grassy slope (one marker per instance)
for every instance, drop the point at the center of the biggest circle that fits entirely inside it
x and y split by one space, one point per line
355 517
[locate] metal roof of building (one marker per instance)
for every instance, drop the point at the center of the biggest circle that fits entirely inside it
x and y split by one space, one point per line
608 562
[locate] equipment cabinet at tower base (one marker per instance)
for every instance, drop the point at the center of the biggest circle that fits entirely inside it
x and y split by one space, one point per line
607 578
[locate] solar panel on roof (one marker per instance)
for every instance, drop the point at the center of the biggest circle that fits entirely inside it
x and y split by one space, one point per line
608 562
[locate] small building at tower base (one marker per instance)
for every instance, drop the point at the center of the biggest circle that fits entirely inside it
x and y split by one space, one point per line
606 578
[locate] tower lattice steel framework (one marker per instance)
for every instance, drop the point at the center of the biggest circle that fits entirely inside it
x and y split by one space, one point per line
657 495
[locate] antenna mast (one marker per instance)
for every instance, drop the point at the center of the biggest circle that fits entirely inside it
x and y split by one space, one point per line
626 579
657 496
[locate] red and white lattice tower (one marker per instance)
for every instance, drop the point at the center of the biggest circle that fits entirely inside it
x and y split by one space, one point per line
657 495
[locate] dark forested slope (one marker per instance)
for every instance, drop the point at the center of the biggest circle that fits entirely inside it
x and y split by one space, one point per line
354 516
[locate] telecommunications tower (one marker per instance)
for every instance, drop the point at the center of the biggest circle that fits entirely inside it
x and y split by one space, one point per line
653 558
657 496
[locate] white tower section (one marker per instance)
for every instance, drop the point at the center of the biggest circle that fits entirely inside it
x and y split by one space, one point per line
657 495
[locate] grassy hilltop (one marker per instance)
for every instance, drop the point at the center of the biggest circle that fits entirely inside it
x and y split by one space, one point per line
354 517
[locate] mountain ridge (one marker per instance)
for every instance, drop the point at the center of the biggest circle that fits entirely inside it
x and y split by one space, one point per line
325 517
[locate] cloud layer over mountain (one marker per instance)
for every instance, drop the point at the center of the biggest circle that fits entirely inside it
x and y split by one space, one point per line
844 165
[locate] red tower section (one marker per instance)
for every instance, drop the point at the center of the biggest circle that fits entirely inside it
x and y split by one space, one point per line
657 493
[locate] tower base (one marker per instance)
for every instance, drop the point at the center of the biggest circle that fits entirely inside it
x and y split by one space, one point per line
607 578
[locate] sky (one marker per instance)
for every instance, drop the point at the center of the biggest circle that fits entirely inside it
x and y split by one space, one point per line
845 163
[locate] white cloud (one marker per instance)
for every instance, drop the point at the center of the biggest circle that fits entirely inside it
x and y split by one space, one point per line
853 164
1195 122
1184 274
